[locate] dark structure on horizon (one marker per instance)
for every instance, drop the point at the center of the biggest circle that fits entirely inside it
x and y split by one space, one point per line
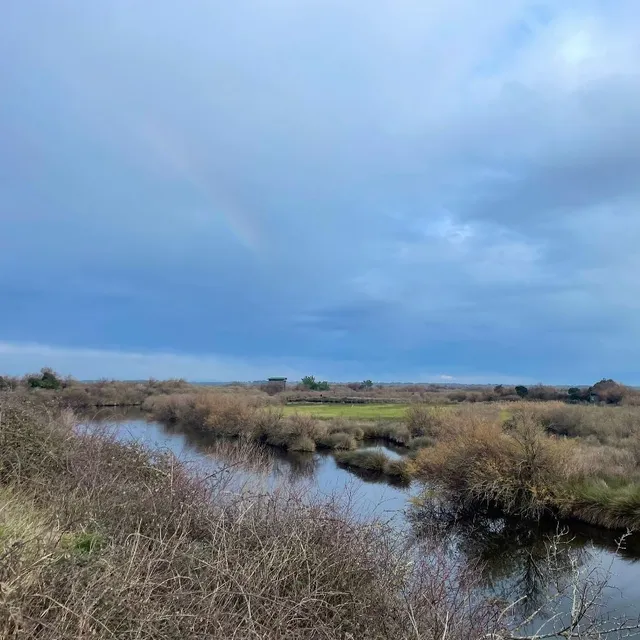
276 385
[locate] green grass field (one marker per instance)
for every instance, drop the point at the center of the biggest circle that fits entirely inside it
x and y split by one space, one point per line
350 411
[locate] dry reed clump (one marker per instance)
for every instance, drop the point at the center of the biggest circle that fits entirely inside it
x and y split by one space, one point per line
421 441
228 415
302 443
442 422
423 420
120 543
519 470
605 425
393 432
375 462
338 441
350 427
266 420
298 432
396 434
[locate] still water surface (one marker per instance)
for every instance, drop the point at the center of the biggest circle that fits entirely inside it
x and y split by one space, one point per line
513 555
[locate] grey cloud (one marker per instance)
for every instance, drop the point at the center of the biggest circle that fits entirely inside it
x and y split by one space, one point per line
304 159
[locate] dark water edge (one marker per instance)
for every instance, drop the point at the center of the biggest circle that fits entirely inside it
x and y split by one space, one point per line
512 554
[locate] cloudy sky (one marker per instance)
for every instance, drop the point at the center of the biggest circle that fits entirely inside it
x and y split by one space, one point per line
390 189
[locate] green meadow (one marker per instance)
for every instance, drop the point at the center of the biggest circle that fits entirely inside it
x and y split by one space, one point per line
349 411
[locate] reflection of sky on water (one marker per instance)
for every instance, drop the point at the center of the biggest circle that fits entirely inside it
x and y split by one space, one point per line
317 474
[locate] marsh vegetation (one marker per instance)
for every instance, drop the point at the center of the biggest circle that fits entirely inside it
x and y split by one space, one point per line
89 522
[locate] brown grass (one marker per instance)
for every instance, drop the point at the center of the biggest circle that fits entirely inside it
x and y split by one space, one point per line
517 470
254 417
519 465
602 424
100 539
375 462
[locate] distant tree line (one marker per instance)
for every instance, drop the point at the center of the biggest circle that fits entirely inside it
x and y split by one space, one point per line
606 391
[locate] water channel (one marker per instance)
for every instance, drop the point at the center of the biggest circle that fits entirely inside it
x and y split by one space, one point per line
513 555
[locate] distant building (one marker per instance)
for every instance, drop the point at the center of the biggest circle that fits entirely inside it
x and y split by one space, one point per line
276 385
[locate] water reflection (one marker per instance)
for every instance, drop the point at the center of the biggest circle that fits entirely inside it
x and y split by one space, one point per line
517 561
313 472
534 564
513 556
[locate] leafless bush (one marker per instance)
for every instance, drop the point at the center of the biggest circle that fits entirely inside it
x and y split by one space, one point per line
115 541
575 608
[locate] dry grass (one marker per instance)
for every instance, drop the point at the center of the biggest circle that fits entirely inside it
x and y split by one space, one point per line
437 422
337 441
602 424
375 462
522 467
252 417
517 470
105 540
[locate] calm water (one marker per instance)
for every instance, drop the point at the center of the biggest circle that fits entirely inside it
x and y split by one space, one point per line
513 556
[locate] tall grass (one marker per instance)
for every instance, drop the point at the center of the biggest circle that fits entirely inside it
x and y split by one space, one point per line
519 468
255 418
100 539
481 464
375 462
101 393
602 424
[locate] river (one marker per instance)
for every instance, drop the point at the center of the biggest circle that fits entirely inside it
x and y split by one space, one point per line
513 556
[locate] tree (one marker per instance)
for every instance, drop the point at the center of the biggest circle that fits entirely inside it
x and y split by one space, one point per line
367 384
309 382
609 391
522 391
575 395
48 379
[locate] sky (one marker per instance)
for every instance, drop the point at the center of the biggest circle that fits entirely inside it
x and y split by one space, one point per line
388 189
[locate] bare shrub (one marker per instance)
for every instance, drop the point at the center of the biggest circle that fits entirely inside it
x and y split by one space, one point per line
422 420
302 424
397 434
341 425
337 441
119 542
519 471
302 443
607 425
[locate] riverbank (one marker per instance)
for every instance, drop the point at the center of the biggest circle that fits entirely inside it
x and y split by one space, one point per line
105 539
522 467
527 459
238 415
576 461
